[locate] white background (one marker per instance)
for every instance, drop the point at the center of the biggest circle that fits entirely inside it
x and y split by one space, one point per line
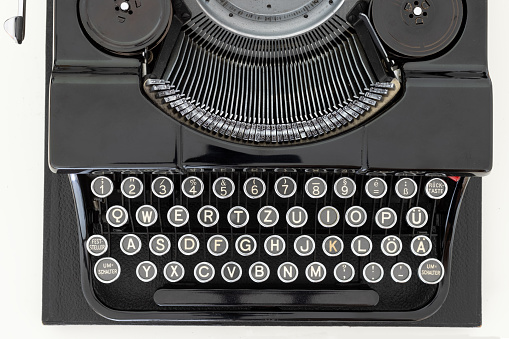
22 82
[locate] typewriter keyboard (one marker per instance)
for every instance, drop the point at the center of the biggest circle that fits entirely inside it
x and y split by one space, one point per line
265 238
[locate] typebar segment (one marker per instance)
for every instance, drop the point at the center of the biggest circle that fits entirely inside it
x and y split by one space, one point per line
266 298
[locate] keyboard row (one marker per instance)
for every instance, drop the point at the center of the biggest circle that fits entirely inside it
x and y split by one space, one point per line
267 216
255 188
274 245
430 271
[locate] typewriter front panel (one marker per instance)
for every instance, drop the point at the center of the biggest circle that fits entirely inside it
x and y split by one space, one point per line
239 160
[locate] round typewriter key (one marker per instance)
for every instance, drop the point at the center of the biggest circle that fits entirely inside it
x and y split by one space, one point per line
102 187
254 188
287 272
130 244
159 245
344 272
421 246
146 271
268 216
162 187
223 187
304 245
188 244
285 187
174 271
296 217
146 215
178 216
332 246
345 188
238 217
401 272
316 272
376 188
245 245
431 271
97 245
373 272
217 245
417 217
274 245
316 188
259 272
361 246
328 216
208 216
192 187
391 246
116 216
107 270
231 272
356 216
406 188
436 189
386 218
131 187
204 272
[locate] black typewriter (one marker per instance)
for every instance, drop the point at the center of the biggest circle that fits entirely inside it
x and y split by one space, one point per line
249 161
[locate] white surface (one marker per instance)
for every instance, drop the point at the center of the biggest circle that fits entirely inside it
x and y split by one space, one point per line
21 197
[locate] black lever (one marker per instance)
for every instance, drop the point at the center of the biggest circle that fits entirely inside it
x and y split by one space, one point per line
15 26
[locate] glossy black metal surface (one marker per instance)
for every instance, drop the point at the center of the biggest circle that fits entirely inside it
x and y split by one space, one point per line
446 101
99 118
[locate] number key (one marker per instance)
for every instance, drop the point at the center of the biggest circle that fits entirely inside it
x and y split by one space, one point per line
131 187
285 187
345 188
102 187
192 187
162 187
254 188
316 188
223 187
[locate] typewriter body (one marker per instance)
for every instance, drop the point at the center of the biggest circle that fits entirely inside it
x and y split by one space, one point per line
242 161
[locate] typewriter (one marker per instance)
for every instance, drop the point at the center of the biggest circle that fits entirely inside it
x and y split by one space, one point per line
249 161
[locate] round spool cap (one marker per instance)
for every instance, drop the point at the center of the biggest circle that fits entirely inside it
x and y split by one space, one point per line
417 28
126 26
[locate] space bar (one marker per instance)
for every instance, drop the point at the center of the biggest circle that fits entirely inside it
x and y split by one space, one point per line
245 297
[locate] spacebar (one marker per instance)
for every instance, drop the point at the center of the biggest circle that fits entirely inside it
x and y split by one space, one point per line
244 297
